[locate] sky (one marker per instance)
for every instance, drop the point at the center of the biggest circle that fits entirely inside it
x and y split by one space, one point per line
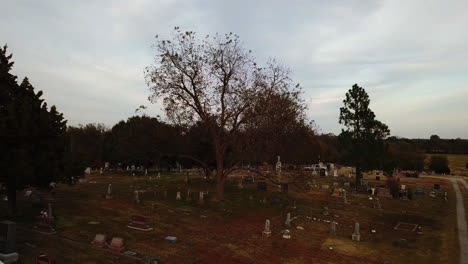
411 56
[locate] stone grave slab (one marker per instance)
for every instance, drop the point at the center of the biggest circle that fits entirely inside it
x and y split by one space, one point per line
117 244
406 227
139 222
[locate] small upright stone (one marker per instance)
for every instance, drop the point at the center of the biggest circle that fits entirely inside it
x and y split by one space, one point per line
356 235
325 211
286 234
267 232
333 228
178 197
287 223
200 198
109 191
136 197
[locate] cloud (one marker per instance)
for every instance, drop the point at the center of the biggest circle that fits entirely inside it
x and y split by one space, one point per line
411 56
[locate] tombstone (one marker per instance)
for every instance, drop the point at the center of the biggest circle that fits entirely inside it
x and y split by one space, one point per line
44 224
403 187
159 175
287 223
343 197
419 191
335 183
171 239
384 192
133 167
325 211
44 259
146 171
189 196
356 235
323 172
117 244
178 197
436 186
364 182
333 228
372 191
200 198
286 234
376 203
87 170
267 232
100 171
335 173
136 197
261 186
314 172
139 222
240 185
99 241
347 184
278 165
128 168
325 186
284 187
7 239
109 191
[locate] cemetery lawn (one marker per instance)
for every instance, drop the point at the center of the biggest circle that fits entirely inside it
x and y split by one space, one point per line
231 231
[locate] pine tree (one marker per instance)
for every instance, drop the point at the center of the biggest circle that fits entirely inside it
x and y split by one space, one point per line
32 137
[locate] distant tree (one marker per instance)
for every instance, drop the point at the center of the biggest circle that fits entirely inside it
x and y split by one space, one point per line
214 81
143 140
434 137
31 136
363 138
439 164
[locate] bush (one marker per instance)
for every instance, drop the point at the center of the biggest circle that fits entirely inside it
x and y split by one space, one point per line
439 164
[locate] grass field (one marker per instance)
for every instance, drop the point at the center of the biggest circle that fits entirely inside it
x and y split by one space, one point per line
230 232
457 163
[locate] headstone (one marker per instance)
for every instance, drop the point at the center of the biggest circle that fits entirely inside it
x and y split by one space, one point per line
372 191
136 197
419 191
100 171
7 237
99 241
325 186
364 182
44 259
200 198
326 211
49 205
343 197
44 223
323 172
240 185
267 232
139 222
287 223
384 192
178 197
87 170
335 183
335 173
159 175
109 191
346 184
262 186
403 187
128 168
189 196
333 228
146 171
376 203
356 235
171 239
286 234
117 244
278 167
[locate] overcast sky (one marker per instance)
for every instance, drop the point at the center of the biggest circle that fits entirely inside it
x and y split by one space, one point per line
411 56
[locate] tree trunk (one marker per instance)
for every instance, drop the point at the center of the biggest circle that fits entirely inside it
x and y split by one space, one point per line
220 177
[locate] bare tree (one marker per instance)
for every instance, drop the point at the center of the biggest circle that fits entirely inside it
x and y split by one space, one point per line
214 81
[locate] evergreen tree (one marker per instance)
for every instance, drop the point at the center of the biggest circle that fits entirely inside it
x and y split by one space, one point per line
31 135
363 139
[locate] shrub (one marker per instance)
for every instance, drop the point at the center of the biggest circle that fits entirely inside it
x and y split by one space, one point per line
439 164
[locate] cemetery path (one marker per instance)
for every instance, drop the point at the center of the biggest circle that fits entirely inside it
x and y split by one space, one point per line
461 222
